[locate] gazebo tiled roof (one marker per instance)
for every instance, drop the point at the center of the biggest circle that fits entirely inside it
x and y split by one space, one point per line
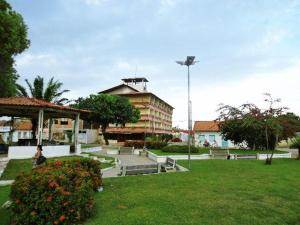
27 107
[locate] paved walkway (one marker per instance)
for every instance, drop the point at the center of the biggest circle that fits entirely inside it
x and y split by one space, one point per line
125 161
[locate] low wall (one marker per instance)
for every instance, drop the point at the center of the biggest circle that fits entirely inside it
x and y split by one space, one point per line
162 158
275 156
24 152
93 149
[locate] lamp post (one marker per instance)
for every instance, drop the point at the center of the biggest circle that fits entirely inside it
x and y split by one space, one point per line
190 60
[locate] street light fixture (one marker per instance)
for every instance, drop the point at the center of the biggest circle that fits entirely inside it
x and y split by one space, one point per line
190 60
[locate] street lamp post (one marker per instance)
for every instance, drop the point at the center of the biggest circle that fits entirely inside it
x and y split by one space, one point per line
190 60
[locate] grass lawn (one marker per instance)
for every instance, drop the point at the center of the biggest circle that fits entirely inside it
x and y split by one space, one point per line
214 192
206 151
4 213
16 166
89 145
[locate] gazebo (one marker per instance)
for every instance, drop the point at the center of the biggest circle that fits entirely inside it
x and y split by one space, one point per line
40 110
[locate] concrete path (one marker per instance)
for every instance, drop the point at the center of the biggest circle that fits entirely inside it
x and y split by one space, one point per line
124 160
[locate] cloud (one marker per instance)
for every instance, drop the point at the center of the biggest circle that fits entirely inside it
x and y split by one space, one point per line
94 2
282 84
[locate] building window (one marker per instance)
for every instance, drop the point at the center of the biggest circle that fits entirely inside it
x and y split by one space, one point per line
201 139
19 135
212 138
64 122
55 121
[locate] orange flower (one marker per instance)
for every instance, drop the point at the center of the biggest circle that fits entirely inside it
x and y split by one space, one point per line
62 218
49 199
58 163
53 184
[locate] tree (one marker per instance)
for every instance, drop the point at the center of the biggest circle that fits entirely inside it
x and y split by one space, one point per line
258 128
13 41
296 144
108 109
52 93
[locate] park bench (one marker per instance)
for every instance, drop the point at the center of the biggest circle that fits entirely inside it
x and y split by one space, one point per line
126 150
245 156
139 169
169 165
219 154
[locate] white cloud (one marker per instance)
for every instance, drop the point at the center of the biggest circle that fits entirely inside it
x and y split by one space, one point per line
282 84
94 2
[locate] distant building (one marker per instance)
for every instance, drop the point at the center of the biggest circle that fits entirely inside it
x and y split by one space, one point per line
210 131
22 129
156 114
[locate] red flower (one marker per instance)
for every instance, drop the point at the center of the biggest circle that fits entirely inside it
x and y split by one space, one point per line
49 199
58 163
62 218
53 184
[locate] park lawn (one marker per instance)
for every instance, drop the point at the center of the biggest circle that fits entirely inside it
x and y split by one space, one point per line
16 166
4 213
89 145
206 151
214 192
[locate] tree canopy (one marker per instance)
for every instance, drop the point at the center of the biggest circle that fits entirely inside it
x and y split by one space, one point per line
13 41
258 128
108 109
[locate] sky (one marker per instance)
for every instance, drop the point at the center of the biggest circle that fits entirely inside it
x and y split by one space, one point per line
244 49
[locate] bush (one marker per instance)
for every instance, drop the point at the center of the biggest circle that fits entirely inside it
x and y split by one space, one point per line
180 149
149 144
58 193
176 140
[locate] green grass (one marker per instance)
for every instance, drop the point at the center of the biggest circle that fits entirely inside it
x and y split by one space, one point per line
4 213
89 145
206 151
16 166
215 192
227 192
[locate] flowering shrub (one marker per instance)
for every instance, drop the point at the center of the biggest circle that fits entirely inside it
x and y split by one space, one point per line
180 149
149 144
58 193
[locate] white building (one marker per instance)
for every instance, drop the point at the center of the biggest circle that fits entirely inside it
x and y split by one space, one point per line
209 131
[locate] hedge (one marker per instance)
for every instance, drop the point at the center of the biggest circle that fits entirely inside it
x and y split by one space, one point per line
57 193
149 144
180 149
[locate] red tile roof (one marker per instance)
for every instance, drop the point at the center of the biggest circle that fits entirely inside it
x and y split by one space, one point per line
206 126
32 102
24 125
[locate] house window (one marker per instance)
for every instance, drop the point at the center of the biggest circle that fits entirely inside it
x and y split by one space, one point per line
55 121
19 135
212 138
201 139
24 135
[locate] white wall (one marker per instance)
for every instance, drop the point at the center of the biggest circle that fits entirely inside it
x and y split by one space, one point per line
24 152
218 138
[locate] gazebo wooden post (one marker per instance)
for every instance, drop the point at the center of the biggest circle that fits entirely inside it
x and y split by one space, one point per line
40 127
76 131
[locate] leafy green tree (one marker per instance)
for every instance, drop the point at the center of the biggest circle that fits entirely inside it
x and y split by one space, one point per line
296 144
13 41
258 128
52 93
108 109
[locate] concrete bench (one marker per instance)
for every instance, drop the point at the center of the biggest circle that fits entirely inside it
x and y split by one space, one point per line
220 154
245 156
126 150
169 165
139 169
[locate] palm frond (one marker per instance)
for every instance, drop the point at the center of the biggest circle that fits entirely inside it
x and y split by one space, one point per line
21 91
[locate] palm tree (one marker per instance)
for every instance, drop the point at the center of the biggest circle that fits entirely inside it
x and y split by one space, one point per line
52 93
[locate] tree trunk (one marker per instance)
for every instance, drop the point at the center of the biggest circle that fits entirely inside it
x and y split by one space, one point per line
103 129
268 160
298 154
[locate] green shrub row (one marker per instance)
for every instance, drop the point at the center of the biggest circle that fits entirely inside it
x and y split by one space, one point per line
180 149
149 144
57 193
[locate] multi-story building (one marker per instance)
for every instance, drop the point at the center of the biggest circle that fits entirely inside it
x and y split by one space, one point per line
156 114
